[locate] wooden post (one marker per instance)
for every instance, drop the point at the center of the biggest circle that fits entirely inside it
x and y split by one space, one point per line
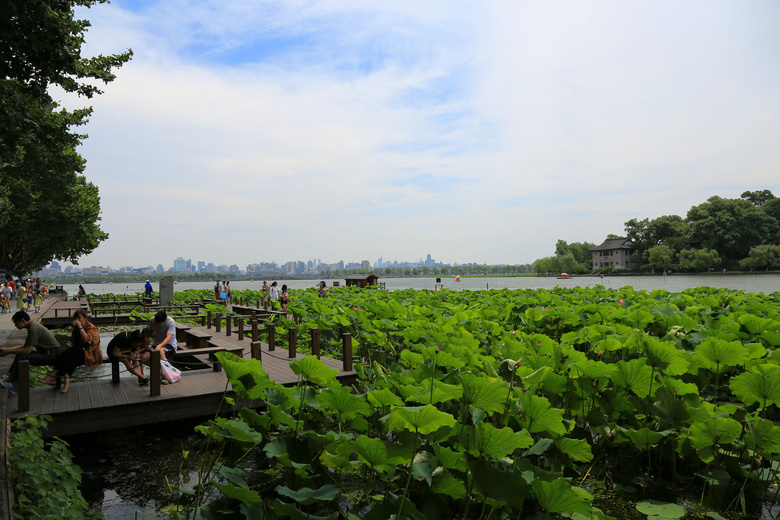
114 371
240 329
292 339
154 373
23 384
271 337
208 319
255 337
228 325
256 350
258 304
346 351
315 341
217 322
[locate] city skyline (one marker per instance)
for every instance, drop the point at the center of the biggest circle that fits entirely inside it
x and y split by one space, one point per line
182 265
486 132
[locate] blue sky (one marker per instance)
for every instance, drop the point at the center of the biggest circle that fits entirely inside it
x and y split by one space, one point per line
251 131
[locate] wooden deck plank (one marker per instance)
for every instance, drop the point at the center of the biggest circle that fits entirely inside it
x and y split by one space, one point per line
98 404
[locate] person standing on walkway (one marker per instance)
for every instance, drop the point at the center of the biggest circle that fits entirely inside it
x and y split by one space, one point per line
21 297
265 294
274 292
148 289
284 298
40 348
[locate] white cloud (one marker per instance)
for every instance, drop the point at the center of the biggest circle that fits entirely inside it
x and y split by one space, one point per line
254 131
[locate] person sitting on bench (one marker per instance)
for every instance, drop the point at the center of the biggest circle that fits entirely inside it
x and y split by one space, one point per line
40 348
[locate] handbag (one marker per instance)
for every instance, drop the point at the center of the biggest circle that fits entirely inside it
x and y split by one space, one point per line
93 357
169 372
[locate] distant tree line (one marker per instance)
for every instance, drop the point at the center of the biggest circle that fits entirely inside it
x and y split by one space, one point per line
741 233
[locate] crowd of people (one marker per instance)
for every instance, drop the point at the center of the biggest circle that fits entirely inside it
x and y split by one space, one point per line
29 295
131 348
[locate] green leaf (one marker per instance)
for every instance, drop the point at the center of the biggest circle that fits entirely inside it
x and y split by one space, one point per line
484 393
371 451
664 356
761 386
384 397
537 415
240 493
489 441
315 370
645 438
343 403
719 355
714 432
286 510
633 375
578 450
504 486
246 376
658 509
558 497
421 419
763 436
444 483
536 377
307 496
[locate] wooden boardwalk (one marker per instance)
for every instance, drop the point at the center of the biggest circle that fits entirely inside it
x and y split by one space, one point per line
99 404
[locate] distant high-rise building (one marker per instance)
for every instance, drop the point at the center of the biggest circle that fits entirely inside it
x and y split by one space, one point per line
179 265
201 266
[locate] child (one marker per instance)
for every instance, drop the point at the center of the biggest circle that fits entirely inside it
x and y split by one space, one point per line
38 301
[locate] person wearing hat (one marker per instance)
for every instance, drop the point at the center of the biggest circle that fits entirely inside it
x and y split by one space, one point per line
148 289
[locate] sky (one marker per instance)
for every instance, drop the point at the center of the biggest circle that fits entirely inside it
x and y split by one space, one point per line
248 131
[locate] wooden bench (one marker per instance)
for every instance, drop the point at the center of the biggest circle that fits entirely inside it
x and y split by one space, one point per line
210 351
181 332
197 338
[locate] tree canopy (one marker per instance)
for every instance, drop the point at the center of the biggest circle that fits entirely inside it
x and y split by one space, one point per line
47 207
720 232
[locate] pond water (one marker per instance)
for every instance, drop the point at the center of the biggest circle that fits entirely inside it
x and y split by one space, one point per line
766 283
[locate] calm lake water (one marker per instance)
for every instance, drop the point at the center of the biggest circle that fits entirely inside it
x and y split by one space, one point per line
766 283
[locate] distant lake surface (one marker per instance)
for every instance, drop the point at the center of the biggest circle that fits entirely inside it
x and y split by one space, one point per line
766 283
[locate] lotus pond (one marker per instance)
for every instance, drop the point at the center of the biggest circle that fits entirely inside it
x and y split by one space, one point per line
583 403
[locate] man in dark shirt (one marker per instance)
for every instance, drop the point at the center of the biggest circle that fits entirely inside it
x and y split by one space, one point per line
40 348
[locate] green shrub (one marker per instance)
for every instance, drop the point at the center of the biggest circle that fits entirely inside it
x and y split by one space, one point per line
46 481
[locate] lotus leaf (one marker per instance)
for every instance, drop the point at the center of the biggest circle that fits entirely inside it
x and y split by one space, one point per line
661 510
421 419
486 394
444 483
497 443
307 496
558 497
645 438
246 376
664 355
633 375
537 415
761 386
312 369
577 449
762 436
507 487
383 397
706 436
343 403
286 510
718 355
